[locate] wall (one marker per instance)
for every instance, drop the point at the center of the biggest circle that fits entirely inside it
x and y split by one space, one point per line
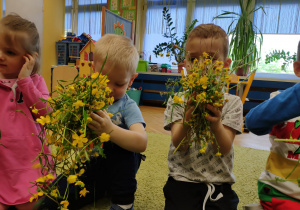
53 30
1 9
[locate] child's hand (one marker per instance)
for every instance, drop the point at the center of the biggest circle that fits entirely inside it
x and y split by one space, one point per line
214 117
28 65
190 109
101 122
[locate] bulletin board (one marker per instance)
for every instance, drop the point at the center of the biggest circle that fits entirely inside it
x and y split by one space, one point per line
124 8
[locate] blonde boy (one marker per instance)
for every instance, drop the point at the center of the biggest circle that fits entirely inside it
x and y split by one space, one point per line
114 175
203 181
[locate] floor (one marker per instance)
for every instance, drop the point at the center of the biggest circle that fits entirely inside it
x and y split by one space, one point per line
154 118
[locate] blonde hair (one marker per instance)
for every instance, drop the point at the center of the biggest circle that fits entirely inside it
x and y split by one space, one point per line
205 31
120 51
15 23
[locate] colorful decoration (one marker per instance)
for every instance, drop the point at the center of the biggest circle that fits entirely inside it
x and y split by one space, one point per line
119 29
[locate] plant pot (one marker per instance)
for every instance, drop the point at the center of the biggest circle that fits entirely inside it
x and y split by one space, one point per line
242 72
180 66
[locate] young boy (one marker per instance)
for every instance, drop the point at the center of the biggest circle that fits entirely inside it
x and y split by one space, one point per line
115 174
280 117
203 181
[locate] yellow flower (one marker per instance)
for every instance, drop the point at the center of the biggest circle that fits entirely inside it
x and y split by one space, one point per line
36 165
53 193
81 172
161 54
205 55
72 88
168 54
50 176
89 119
79 140
83 192
218 154
178 100
65 204
78 103
95 75
80 183
202 150
111 100
44 120
72 179
104 137
40 179
35 110
110 115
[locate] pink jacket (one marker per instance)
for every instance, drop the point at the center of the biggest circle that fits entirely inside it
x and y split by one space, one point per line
19 136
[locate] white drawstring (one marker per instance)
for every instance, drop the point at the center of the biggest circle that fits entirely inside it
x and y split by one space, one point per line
210 192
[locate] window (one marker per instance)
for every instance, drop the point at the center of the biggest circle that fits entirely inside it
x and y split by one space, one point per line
84 16
155 26
3 8
206 10
280 27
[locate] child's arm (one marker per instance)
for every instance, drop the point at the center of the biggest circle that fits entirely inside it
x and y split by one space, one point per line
224 134
282 107
33 91
134 139
179 130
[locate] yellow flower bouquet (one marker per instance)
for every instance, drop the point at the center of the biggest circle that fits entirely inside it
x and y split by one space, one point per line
72 142
204 85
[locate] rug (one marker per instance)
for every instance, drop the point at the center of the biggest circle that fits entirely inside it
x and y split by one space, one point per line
153 173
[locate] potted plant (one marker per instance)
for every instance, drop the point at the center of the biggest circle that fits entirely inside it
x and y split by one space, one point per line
174 47
276 55
246 38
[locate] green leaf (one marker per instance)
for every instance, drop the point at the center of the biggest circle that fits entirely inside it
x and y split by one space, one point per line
297 151
297 124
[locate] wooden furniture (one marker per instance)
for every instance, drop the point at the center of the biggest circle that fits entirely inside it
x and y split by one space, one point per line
242 87
153 83
66 73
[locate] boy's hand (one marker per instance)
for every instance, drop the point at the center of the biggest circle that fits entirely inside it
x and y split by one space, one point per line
28 65
101 122
214 117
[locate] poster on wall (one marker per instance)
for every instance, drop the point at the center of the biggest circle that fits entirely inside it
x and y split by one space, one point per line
127 4
114 5
129 14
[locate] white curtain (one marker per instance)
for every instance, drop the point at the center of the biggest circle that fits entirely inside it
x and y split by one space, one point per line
84 16
206 10
282 16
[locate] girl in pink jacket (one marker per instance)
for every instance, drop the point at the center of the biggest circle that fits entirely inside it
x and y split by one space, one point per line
20 90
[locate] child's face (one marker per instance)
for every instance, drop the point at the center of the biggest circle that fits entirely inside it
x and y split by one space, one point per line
11 57
213 47
119 79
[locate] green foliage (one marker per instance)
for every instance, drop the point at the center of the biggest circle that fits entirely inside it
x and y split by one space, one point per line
277 55
246 38
177 52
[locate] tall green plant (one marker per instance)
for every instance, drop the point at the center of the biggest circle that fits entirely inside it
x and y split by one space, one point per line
246 38
168 47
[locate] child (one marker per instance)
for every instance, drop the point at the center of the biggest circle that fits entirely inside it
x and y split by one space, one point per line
115 174
21 89
279 116
198 180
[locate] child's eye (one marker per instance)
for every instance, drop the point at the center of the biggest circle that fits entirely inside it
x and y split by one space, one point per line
10 52
119 85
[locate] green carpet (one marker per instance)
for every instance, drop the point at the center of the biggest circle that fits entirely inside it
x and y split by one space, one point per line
152 175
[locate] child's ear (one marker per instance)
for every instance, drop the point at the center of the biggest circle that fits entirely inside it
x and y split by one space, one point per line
132 79
297 68
227 63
